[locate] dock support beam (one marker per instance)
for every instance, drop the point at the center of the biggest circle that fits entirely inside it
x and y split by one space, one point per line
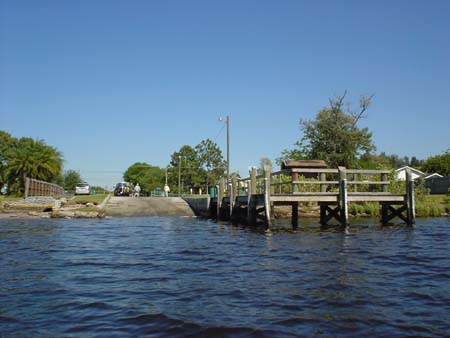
294 215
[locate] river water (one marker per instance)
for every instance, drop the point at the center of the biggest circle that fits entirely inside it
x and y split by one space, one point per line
185 277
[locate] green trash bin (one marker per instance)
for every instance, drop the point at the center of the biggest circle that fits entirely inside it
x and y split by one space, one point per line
213 192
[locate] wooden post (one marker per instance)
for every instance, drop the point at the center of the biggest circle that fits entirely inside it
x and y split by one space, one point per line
280 185
219 202
235 184
410 205
27 187
267 171
384 178
384 213
253 187
294 215
323 187
231 194
294 185
220 195
343 202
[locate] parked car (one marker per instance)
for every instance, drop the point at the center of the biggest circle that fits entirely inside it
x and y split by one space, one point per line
123 189
82 189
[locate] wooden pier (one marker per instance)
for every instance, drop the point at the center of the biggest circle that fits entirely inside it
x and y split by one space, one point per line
251 200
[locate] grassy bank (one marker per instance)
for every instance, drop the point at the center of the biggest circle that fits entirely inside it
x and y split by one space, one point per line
426 206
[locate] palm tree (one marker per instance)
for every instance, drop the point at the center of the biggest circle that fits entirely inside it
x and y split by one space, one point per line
34 159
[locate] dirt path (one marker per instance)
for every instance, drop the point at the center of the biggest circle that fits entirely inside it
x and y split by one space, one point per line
147 206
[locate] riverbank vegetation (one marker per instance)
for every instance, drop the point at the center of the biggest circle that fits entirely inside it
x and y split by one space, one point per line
195 168
334 135
426 206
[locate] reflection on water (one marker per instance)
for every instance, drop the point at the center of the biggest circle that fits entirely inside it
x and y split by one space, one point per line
169 277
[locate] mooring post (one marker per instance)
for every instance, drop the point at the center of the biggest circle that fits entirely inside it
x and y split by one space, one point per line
267 172
234 193
251 207
343 201
218 196
411 214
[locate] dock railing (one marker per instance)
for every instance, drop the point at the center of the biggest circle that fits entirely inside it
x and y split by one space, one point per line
35 187
333 189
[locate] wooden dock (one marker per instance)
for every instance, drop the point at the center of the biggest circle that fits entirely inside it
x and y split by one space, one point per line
254 198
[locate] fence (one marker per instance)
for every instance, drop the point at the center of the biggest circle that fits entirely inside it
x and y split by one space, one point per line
41 188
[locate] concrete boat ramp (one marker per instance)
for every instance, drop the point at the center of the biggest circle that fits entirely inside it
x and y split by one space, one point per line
148 206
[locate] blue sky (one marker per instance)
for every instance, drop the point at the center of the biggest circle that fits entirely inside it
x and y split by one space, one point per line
110 83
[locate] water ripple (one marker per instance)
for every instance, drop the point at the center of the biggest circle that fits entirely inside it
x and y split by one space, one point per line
179 277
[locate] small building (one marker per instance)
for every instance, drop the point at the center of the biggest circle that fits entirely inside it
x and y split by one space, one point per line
415 173
438 185
431 176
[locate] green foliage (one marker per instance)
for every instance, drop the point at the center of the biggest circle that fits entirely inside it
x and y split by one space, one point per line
71 178
211 160
197 168
384 161
7 146
333 136
26 157
438 164
366 209
149 177
432 206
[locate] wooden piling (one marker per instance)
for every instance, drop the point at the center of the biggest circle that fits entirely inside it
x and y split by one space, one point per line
294 215
343 196
267 206
411 214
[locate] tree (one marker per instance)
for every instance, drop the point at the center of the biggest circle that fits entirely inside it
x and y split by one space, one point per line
7 146
211 160
71 178
333 136
264 161
149 177
438 164
34 159
186 163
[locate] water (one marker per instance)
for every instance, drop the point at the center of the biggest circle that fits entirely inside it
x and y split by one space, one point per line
181 277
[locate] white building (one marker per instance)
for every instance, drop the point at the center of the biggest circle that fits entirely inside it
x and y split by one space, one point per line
401 173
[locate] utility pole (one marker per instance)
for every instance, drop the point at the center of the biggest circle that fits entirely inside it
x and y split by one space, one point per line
228 150
179 175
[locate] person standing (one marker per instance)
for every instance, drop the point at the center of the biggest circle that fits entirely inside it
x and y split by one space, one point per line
137 190
166 191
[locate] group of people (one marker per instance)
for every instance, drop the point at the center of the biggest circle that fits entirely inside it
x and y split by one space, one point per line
137 190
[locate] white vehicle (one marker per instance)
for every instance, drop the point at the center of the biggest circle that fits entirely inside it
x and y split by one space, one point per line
82 189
